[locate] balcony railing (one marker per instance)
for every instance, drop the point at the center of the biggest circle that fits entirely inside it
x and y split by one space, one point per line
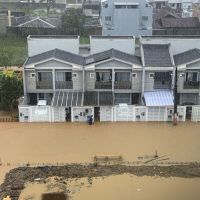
64 85
123 85
44 85
103 85
191 85
162 85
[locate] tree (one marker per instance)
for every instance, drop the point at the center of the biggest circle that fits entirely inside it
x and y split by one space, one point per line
11 89
5 58
72 22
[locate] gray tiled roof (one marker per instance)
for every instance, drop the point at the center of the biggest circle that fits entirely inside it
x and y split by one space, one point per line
187 56
157 55
80 60
59 54
189 22
113 53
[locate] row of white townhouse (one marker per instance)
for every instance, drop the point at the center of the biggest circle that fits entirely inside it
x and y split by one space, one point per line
112 78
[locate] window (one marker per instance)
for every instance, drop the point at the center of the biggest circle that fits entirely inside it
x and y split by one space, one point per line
108 18
122 76
120 6
134 75
132 6
32 75
91 75
63 76
44 76
151 75
191 76
103 76
74 75
145 18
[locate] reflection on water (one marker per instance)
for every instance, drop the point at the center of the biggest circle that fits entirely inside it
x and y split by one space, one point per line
127 187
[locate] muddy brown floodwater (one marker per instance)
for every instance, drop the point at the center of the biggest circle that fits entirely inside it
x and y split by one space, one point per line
78 142
119 187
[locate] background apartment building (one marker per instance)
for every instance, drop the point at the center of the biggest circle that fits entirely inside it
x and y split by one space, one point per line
126 18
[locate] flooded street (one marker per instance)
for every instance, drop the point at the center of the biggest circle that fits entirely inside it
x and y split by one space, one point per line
119 187
75 142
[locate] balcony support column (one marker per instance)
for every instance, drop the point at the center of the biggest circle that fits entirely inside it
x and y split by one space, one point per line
54 79
113 80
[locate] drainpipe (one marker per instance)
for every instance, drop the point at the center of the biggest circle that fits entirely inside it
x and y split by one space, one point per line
113 80
143 82
54 81
175 99
83 79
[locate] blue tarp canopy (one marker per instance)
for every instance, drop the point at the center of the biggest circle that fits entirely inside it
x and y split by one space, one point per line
159 98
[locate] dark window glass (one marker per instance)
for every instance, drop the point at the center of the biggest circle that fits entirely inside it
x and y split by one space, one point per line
68 76
122 76
103 76
132 6
120 6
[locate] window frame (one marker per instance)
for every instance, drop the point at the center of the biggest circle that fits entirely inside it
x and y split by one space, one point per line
103 72
74 75
134 73
44 72
186 76
92 75
64 75
124 72
151 75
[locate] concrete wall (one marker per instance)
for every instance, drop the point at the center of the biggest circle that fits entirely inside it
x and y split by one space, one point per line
78 81
80 114
178 44
53 64
137 82
149 82
30 81
89 82
38 45
125 44
113 64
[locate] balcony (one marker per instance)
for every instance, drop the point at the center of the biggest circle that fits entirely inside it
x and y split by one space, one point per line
191 85
64 85
103 85
123 85
44 85
162 84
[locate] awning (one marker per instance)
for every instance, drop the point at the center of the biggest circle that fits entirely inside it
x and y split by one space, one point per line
67 99
159 98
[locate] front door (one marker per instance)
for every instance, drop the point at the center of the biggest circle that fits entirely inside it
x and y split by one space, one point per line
97 114
68 114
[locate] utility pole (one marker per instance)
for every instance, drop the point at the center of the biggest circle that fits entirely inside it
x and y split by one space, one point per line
175 99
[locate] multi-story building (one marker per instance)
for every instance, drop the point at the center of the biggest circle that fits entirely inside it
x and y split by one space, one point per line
126 18
185 7
111 83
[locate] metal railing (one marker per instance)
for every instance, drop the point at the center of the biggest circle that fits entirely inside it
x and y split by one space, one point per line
64 85
44 85
191 85
123 85
103 85
162 85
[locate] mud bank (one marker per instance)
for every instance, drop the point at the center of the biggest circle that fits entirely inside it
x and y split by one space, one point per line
15 180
